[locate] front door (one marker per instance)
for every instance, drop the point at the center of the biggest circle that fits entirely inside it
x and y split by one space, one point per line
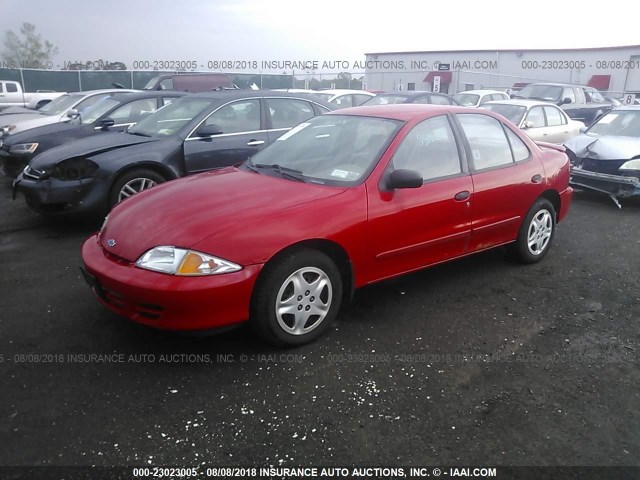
242 136
413 228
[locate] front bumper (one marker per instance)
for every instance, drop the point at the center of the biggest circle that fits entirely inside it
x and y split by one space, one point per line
616 186
53 196
167 301
12 165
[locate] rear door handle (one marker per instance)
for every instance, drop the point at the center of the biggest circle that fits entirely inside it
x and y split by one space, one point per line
255 143
462 196
536 178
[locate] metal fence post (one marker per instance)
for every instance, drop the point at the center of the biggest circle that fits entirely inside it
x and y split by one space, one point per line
79 81
24 87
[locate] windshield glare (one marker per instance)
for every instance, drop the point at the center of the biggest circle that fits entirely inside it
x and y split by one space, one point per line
170 119
467 99
513 113
60 104
331 149
550 93
620 123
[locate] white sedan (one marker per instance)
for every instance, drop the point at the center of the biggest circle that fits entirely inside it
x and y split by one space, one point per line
475 98
542 121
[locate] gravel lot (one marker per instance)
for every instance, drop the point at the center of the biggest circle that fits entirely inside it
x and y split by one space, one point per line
478 362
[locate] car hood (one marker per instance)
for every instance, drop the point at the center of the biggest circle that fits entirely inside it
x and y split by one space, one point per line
87 146
604 148
34 134
218 206
27 120
15 110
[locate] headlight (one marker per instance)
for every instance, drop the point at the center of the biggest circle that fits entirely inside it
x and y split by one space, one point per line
178 261
74 169
631 165
23 148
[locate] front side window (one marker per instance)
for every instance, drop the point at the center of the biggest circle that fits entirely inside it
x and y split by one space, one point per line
430 149
487 141
568 93
166 84
237 117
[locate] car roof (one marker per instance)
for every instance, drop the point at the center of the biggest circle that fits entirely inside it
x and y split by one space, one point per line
410 93
405 111
521 102
480 92
627 107
104 90
345 91
131 96
227 95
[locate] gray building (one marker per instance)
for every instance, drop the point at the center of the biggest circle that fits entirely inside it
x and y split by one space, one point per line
609 69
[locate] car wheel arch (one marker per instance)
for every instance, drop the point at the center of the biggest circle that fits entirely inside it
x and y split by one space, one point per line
554 197
159 168
330 248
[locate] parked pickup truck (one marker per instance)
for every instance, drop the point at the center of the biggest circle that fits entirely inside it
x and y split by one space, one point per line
11 95
585 104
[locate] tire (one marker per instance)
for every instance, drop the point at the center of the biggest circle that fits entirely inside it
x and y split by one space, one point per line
536 233
277 289
136 180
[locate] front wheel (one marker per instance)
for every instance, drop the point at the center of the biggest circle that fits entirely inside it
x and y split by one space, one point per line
536 233
297 298
133 182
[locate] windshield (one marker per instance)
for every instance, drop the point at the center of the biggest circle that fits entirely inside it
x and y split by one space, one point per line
386 100
94 112
60 104
618 123
467 99
514 113
330 149
550 93
169 119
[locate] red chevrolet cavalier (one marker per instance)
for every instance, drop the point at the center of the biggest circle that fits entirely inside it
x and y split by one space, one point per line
341 201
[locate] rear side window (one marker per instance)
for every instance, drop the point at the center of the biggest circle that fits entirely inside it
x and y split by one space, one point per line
553 116
12 88
287 113
166 84
238 117
487 141
518 147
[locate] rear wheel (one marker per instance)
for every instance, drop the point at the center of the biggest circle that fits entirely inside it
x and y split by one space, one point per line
132 182
536 233
297 298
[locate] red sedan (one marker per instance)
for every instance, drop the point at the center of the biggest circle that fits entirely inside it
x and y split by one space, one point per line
341 201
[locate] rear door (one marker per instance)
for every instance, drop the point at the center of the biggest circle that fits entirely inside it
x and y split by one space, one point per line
243 134
507 179
413 228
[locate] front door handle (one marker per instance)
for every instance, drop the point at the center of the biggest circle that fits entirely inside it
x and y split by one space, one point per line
536 178
255 143
462 196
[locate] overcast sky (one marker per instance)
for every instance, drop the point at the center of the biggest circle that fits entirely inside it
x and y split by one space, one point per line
202 30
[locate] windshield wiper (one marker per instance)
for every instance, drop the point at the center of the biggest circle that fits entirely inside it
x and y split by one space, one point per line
285 172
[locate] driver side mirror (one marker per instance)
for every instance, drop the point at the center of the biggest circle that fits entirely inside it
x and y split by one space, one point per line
564 101
105 123
527 124
209 131
403 178
73 113
583 129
